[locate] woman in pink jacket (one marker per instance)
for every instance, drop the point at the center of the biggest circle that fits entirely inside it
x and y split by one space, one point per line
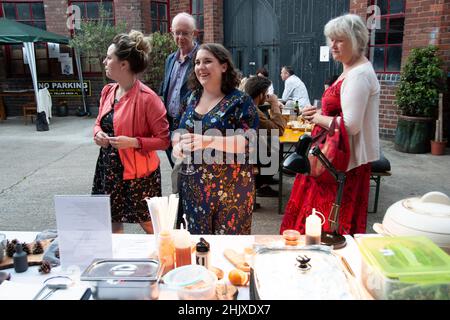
131 126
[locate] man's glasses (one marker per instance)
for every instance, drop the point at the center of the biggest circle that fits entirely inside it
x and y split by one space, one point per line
183 34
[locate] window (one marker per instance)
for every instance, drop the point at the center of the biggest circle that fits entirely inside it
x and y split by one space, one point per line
89 10
31 13
159 11
385 44
198 13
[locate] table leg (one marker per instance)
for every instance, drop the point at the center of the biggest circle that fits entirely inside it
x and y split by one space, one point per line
2 110
280 180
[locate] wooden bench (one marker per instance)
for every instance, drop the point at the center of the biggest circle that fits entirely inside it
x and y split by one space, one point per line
29 111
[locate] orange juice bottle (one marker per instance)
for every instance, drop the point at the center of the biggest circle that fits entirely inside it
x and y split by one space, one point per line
166 251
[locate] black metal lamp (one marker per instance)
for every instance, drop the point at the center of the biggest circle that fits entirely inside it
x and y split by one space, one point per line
298 163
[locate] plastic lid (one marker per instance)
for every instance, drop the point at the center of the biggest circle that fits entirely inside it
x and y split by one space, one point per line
409 259
186 275
202 246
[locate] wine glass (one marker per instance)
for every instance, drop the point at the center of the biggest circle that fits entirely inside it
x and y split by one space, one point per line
187 166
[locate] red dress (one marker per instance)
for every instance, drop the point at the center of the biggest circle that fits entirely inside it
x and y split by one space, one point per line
308 193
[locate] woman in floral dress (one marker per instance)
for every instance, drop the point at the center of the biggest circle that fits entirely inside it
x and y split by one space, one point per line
217 196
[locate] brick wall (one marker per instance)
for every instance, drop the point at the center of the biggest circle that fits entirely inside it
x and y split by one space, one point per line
177 6
426 22
130 12
55 16
146 16
213 10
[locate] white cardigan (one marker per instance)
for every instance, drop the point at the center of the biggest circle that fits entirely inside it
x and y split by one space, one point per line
360 100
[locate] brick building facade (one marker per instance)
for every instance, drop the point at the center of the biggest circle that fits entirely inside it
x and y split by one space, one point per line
425 22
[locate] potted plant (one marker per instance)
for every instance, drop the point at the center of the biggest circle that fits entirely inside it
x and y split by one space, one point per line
439 143
422 78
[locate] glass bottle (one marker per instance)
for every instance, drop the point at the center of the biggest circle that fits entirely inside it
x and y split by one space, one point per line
202 255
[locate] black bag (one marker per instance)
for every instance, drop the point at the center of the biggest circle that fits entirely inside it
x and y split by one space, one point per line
41 122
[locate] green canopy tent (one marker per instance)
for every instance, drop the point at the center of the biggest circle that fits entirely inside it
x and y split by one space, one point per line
13 32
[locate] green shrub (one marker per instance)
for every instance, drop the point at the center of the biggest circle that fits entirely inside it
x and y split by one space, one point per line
162 45
422 78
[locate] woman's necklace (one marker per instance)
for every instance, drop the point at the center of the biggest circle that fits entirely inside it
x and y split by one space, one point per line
211 106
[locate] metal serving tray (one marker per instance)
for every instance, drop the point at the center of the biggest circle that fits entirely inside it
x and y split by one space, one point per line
123 279
276 275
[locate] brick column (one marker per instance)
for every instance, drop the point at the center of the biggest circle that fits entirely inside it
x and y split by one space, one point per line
146 16
213 11
359 7
56 16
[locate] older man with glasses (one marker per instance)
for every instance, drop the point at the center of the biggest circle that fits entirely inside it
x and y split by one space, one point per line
179 65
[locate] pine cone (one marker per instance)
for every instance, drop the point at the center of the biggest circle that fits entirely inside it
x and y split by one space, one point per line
26 248
37 248
10 248
45 267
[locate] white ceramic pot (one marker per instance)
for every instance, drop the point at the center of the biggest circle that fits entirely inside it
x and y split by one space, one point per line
426 216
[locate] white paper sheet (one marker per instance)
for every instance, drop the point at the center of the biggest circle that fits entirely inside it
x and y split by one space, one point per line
84 229
324 54
53 50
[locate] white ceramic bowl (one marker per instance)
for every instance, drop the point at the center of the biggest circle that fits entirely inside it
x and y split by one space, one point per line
426 216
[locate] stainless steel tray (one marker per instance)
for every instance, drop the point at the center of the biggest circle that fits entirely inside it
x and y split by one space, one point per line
123 279
276 275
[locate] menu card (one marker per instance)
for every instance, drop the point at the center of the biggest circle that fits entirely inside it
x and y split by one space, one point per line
84 230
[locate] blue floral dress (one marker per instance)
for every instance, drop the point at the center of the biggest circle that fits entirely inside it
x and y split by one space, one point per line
218 198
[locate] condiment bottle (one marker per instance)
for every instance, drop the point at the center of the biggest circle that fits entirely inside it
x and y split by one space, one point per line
166 251
202 256
297 108
20 259
313 229
182 241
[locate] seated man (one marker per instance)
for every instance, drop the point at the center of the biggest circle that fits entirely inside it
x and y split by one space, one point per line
257 87
294 88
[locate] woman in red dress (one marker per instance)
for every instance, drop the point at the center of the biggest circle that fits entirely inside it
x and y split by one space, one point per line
354 98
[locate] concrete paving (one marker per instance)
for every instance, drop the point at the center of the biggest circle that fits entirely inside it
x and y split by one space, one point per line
35 166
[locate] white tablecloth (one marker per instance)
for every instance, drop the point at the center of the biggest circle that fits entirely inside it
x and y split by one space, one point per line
143 246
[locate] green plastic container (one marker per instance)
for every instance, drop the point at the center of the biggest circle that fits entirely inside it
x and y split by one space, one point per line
405 268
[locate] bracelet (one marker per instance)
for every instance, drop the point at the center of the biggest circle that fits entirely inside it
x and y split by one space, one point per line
139 140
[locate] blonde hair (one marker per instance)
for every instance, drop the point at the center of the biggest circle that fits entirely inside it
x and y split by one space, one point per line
135 48
350 26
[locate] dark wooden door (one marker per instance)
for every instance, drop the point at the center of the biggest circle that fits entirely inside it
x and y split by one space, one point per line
273 33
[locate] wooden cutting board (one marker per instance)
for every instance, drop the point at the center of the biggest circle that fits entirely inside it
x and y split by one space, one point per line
33 259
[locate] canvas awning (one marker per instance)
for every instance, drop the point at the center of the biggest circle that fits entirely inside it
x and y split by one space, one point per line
13 32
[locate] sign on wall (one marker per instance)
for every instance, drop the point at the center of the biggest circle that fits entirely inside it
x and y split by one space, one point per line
66 88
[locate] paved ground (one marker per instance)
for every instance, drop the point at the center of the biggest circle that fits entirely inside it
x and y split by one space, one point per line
35 166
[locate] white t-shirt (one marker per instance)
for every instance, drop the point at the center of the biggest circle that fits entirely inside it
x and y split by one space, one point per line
295 90
360 100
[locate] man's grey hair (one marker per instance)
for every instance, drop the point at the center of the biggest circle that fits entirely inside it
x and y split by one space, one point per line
184 16
352 27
